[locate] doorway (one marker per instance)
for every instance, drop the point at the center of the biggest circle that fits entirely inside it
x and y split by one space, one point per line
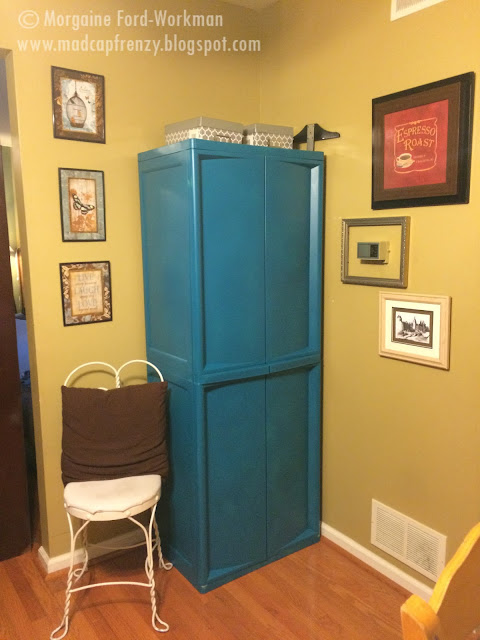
16 426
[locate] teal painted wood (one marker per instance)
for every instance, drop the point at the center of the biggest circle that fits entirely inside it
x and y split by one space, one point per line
232 253
292 432
166 227
293 257
235 418
178 516
233 257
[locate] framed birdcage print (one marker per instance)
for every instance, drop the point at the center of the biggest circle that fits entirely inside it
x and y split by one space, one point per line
78 100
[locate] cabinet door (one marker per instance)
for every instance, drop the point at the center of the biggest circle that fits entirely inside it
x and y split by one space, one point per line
293 258
179 501
293 458
232 237
235 460
166 211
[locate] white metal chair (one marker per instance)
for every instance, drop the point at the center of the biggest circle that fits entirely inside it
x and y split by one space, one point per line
112 499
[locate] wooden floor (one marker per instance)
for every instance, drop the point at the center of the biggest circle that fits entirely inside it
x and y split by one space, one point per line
319 593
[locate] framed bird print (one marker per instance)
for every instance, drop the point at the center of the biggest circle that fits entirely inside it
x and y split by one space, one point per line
415 328
78 101
82 202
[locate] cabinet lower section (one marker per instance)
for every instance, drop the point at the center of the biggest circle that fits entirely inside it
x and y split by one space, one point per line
218 577
246 483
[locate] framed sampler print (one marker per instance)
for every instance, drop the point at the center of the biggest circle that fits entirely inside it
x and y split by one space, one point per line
86 292
415 328
422 143
82 202
78 105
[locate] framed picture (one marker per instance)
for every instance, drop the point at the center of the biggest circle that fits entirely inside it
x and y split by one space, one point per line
78 105
415 328
422 144
82 203
375 251
86 292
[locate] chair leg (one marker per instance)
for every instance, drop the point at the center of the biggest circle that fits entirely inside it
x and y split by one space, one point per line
73 575
161 562
150 573
78 573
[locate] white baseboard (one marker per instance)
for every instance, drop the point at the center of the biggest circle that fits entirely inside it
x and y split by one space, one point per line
376 562
56 563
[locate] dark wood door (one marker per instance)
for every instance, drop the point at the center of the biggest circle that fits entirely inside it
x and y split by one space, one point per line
14 511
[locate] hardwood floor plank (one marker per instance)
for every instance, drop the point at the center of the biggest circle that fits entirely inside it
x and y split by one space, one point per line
318 592
27 596
190 613
265 599
13 610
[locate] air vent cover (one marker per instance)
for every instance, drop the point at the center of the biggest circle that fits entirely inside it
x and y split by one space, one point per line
413 543
401 8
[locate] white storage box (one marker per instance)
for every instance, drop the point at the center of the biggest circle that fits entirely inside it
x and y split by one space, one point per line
269 135
204 129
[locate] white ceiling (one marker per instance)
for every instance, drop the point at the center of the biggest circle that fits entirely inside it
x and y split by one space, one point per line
258 5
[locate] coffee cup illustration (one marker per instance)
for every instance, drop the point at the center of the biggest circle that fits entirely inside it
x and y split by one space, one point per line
404 160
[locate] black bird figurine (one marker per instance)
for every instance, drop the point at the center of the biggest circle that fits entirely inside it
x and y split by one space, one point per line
312 132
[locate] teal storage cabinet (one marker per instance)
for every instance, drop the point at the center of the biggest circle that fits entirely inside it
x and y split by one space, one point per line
232 256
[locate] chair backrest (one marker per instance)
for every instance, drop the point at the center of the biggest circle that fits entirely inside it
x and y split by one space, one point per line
113 433
116 372
453 611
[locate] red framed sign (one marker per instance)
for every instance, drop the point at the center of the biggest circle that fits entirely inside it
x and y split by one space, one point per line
422 141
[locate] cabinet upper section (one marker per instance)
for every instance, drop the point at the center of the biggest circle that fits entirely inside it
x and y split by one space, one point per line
232 250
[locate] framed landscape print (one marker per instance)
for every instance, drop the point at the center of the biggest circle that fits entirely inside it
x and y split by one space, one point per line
421 145
78 105
82 202
86 292
415 328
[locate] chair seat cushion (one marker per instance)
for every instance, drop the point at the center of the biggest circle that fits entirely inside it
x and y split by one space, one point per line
112 499
109 434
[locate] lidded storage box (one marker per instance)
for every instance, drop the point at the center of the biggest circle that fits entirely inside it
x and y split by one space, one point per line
204 129
269 135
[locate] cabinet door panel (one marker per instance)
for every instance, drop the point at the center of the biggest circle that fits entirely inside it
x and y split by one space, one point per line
233 256
166 262
292 267
179 501
293 449
235 432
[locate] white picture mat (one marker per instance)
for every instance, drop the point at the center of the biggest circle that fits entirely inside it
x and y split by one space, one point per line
434 351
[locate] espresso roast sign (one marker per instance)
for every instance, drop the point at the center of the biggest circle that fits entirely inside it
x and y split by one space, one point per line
422 144
415 151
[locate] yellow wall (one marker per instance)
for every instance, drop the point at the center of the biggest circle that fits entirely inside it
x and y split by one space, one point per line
401 433
143 93
404 434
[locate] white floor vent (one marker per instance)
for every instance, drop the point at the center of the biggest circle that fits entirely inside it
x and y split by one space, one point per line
401 8
413 543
